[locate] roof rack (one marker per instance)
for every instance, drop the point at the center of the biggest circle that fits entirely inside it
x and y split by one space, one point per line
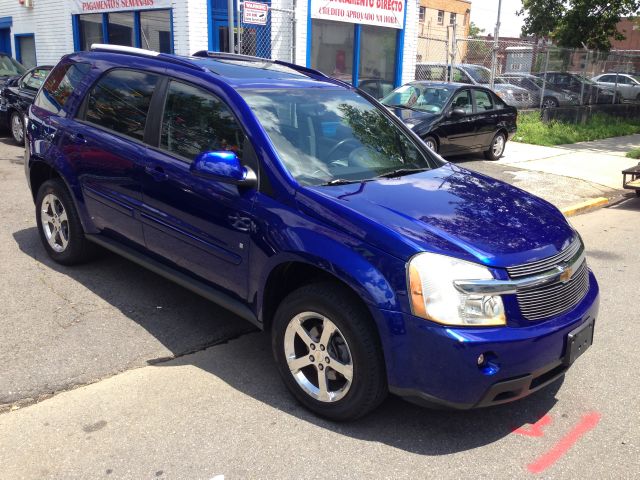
249 58
141 52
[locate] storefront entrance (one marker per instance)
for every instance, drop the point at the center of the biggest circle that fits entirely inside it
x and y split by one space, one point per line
5 35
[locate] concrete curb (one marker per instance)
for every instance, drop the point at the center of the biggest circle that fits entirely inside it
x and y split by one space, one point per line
584 207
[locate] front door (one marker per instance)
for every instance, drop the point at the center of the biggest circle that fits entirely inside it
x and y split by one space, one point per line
486 118
199 224
459 130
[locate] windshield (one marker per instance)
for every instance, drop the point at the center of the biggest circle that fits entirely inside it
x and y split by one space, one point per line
328 136
9 67
479 74
424 98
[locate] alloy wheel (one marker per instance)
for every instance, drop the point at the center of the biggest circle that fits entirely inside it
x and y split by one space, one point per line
318 357
16 128
432 144
498 146
55 222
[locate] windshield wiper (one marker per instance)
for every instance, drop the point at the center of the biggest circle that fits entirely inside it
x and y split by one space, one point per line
402 171
341 181
400 106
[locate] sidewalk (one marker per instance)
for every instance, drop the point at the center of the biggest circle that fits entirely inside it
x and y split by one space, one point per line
565 175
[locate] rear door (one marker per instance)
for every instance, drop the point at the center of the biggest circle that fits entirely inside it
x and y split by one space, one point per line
197 223
106 147
458 132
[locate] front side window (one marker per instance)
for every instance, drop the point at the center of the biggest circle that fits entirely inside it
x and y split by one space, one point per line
59 86
463 100
481 75
196 121
460 77
35 79
325 136
120 102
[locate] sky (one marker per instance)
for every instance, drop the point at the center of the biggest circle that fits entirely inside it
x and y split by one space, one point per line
484 14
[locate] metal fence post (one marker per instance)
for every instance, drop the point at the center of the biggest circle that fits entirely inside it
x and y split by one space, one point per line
544 78
293 32
239 23
584 74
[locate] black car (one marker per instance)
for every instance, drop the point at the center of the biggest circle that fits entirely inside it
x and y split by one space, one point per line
16 97
376 87
588 92
455 118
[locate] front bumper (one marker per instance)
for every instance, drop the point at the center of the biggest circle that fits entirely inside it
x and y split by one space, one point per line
437 365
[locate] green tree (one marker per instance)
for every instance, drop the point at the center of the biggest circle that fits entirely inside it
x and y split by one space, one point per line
475 31
574 23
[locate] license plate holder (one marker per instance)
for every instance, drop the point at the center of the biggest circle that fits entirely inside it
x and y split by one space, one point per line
578 341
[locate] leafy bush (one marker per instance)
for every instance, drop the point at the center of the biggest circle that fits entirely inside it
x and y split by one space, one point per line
635 153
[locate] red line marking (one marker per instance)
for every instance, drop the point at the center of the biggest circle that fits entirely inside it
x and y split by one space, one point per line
535 430
588 422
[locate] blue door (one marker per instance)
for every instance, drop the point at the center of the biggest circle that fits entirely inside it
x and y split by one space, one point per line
5 41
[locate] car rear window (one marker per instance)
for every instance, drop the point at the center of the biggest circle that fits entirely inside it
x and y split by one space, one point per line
59 86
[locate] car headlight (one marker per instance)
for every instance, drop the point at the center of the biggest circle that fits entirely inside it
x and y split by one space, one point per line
434 297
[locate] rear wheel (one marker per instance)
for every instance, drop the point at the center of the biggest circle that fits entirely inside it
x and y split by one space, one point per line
432 143
328 353
17 128
497 147
59 226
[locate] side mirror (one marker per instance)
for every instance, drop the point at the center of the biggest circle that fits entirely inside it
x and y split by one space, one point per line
223 166
457 112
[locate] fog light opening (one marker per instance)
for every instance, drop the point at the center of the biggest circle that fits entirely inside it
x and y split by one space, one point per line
488 363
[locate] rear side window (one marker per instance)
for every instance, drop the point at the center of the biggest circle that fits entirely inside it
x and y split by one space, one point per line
196 121
484 101
59 86
120 102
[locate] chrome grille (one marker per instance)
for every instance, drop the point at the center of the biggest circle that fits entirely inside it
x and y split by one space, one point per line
545 264
543 302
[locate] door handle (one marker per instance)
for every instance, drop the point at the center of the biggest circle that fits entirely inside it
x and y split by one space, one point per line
157 173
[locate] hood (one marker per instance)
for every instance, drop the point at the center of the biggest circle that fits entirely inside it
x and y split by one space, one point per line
447 210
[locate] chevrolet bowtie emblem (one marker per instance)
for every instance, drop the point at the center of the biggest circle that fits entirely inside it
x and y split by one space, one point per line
566 274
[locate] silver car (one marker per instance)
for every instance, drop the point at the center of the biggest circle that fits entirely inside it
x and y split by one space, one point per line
628 85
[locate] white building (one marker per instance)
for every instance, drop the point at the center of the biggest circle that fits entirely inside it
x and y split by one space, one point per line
371 43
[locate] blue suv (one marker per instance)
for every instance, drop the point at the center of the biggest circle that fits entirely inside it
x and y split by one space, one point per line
301 204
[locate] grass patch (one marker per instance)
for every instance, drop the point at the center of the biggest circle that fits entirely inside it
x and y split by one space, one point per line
635 153
532 130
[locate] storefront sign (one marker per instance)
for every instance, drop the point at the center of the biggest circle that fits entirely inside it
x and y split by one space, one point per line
100 6
255 13
382 13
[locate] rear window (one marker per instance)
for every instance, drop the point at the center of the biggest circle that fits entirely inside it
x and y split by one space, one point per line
120 102
59 86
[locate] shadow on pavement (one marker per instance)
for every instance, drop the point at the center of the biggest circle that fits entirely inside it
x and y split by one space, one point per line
246 364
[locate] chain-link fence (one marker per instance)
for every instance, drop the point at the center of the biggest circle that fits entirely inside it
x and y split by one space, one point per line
533 74
266 31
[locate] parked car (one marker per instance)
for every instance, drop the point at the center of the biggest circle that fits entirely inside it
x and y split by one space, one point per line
588 92
627 86
10 71
376 87
455 118
477 75
17 96
316 214
553 97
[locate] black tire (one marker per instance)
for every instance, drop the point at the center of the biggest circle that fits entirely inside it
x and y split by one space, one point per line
431 140
17 131
368 386
493 153
550 102
77 249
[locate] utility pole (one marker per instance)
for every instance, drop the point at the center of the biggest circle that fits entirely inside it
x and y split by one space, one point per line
496 46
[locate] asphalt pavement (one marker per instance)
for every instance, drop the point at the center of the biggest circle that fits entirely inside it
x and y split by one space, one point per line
222 411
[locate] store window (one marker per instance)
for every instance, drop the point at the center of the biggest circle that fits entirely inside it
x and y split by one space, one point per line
90 30
120 29
150 29
332 48
377 54
155 30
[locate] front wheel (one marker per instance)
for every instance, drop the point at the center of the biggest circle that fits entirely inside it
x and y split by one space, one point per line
432 143
550 102
497 147
17 128
328 352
